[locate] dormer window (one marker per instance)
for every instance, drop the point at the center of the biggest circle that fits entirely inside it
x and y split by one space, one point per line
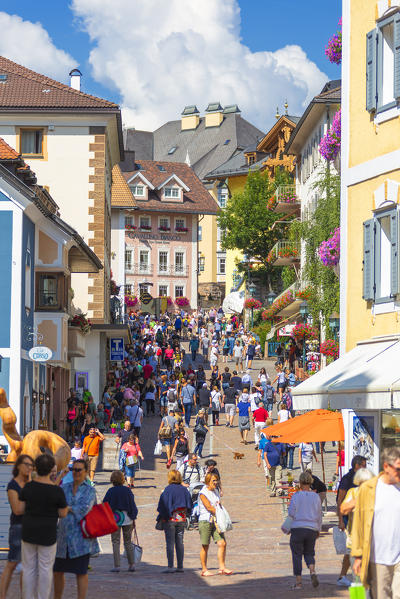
138 191
172 192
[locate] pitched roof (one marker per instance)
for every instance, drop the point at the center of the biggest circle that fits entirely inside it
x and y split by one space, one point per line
121 195
7 152
23 89
195 201
235 166
208 147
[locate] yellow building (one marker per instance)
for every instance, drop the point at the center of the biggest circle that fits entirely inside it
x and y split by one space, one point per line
364 382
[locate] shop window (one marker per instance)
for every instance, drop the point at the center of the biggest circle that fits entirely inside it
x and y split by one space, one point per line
390 434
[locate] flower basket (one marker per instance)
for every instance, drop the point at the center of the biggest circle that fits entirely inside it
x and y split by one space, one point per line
330 348
333 50
80 320
130 227
304 294
304 331
181 301
145 227
288 198
252 303
165 229
329 250
329 146
130 301
181 229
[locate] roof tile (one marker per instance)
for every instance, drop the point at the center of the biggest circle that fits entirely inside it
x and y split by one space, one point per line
7 152
121 195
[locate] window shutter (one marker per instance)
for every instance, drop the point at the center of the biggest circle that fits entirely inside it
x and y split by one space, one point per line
396 38
369 262
371 99
394 253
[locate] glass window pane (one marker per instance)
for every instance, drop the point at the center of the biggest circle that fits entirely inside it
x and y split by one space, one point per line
48 290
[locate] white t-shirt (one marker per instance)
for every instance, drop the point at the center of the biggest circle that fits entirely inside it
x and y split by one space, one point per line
216 400
385 541
254 399
283 415
306 452
76 452
237 351
213 498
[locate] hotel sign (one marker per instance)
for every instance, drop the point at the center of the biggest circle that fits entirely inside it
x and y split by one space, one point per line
154 236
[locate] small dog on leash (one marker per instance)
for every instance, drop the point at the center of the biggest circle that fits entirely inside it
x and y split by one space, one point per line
238 456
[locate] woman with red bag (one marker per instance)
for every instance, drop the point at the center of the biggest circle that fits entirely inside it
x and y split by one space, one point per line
73 550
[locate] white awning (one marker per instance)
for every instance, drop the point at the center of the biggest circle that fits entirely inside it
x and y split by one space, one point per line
367 377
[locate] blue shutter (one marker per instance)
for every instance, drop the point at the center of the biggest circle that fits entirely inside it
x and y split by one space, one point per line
396 38
394 253
371 90
369 262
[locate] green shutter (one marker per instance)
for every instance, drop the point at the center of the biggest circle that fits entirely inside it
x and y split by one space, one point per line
371 90
369 262
394 253
396 38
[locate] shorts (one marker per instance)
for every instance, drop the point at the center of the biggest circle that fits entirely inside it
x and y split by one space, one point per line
14 543
282 386
230 409
130 470
165 442
208 530
163 401
92 462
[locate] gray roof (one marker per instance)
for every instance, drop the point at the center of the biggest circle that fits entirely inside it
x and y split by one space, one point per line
207 147
141 142
237 165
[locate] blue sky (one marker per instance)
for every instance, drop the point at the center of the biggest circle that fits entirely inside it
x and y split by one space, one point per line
266 26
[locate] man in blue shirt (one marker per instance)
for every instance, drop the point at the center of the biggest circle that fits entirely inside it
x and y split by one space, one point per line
188 398
271 453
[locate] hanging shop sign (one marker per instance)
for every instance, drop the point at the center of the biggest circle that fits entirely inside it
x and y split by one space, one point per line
41 353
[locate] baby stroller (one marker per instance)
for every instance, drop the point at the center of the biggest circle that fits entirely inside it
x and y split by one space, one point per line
192 521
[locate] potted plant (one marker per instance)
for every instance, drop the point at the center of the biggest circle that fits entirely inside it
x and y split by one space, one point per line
252 303
113 427
304 331
80 320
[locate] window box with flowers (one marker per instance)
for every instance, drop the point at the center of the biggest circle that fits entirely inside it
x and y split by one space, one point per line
80 320
181 229
164 228
130 301
304 331
145 227
129 227
286 200
181 301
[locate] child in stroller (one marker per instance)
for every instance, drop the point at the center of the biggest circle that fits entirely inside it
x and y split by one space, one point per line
193 519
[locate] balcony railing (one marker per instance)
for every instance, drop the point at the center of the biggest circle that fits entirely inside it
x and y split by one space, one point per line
285 200
284 253
138 269
174 270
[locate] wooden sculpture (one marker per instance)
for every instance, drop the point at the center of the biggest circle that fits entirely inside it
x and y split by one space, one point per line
35 442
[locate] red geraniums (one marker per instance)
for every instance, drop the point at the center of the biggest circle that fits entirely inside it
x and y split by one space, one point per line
251 302
182 301
330 348
304 294
80 320
304 330
130 227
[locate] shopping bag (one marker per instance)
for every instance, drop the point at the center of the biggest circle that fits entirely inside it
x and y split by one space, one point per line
137 550
98 522
224 522
287 525
357 590
158 448
339 540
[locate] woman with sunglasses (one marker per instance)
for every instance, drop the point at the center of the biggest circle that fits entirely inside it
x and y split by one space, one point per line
73 550
22 472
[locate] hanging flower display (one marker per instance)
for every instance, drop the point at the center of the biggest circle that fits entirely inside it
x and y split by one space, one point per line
131 301
330 348
304 331
170 301
304 294
181 301
252 303
287 252
329 146
329 250
333 50
130 227
80 320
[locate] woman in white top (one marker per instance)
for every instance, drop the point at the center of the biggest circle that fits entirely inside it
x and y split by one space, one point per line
284 413
209 499
306 513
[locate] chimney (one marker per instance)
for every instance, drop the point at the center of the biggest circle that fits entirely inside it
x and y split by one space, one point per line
214 115
75 76
190 118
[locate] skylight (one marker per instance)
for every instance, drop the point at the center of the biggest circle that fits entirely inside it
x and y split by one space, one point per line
3 77
161 168
172 150
226 142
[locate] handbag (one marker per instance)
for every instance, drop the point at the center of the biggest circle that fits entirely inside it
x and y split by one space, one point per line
339 540
131 460
223 520
200 429
98 522
287 525
158 448
137 550
357 590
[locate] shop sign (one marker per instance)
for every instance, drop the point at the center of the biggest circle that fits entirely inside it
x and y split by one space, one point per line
286 331
41 353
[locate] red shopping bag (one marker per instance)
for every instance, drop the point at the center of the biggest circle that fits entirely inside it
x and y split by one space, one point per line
98 522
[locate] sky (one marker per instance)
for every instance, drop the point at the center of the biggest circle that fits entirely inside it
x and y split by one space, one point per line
157 56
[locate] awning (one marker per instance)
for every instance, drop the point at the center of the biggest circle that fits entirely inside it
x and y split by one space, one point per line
367 377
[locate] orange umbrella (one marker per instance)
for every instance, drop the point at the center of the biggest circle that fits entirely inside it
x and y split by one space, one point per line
317 425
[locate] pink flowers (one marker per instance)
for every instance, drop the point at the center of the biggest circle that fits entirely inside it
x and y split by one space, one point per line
304 330
181 301
329 146
329 250
130 301
330 348
252 303
333 50
288 198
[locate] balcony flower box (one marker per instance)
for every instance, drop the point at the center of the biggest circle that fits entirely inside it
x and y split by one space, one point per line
130 227
80 320
304 294
130 301
181 229
145 227
181 301
164 229
288 252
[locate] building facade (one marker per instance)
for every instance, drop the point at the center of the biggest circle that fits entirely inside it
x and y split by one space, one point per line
158 231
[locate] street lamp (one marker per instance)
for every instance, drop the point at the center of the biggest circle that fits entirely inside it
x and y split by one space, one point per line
304 312
271 298
334 324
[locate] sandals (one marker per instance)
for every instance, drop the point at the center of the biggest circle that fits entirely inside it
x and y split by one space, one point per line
314 580
207 573
225 572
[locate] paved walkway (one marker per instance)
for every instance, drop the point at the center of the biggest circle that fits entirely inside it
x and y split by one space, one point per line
257 550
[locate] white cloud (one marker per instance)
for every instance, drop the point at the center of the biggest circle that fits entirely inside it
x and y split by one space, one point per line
162 55
29 44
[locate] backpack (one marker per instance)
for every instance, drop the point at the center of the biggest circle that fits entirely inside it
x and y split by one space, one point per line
287 398
186 466
270 392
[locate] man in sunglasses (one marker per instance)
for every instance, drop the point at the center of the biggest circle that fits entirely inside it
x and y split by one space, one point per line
91 449
375 534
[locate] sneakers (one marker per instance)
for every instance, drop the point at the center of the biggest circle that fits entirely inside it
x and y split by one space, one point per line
168 571
179 570
131 568
115 570
343 581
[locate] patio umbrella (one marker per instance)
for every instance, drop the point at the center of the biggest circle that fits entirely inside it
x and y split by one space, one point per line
314 426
